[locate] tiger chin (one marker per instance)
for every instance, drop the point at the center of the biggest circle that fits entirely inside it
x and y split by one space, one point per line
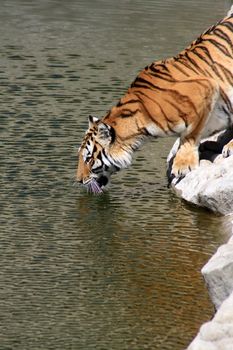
189 96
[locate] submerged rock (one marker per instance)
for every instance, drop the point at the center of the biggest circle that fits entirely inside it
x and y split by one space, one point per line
210 185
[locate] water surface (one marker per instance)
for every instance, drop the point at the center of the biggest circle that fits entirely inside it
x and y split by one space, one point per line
120 271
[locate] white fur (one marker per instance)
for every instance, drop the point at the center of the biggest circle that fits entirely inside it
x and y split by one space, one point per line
90 147
97 164
123 160
154 130
230 96
218 119
105 160
179 128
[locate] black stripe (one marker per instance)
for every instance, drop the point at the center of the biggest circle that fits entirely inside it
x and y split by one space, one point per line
166 117
127 113
98 169
163 65
183 61
194 51
221 34
181 114
153 119
146 84
201 57
120 104
180 69
206 51
106 156
154 68
193 62
216 69
112 134
227 24
220 47
160 75
176 94
209 30
212 64
145 132
99 156
227 73
226 100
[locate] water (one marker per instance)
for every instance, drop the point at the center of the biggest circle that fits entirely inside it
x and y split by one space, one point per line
121 271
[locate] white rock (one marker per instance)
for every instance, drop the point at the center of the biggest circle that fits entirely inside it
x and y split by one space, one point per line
218 274
218 333
210 185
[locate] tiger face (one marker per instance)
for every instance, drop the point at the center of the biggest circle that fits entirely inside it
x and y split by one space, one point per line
95 165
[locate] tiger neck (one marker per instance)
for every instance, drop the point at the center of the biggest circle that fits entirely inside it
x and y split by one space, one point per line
133 121
132 127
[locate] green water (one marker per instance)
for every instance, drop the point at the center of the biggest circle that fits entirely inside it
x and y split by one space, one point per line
121 271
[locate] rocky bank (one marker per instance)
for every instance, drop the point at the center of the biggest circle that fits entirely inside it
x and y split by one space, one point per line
210 185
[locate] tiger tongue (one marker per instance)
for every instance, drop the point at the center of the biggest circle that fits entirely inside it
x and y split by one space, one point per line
94 187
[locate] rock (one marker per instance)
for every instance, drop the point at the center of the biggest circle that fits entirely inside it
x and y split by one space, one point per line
211 184
218 274
218 333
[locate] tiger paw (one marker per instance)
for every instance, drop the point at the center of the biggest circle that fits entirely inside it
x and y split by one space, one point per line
228 149
186 160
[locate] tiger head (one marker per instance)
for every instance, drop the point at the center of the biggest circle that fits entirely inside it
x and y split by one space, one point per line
99 156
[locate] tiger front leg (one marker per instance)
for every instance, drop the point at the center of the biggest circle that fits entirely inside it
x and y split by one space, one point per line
186 159
228 149
205 94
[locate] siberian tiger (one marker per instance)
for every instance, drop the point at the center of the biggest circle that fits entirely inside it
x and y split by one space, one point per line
189 95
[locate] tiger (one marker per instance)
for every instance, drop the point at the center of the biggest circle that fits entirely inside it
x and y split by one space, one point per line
189 96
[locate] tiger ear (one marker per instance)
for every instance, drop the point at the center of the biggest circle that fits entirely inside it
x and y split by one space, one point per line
106 134
92 120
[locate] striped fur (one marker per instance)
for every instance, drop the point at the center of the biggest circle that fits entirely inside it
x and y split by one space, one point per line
189 95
